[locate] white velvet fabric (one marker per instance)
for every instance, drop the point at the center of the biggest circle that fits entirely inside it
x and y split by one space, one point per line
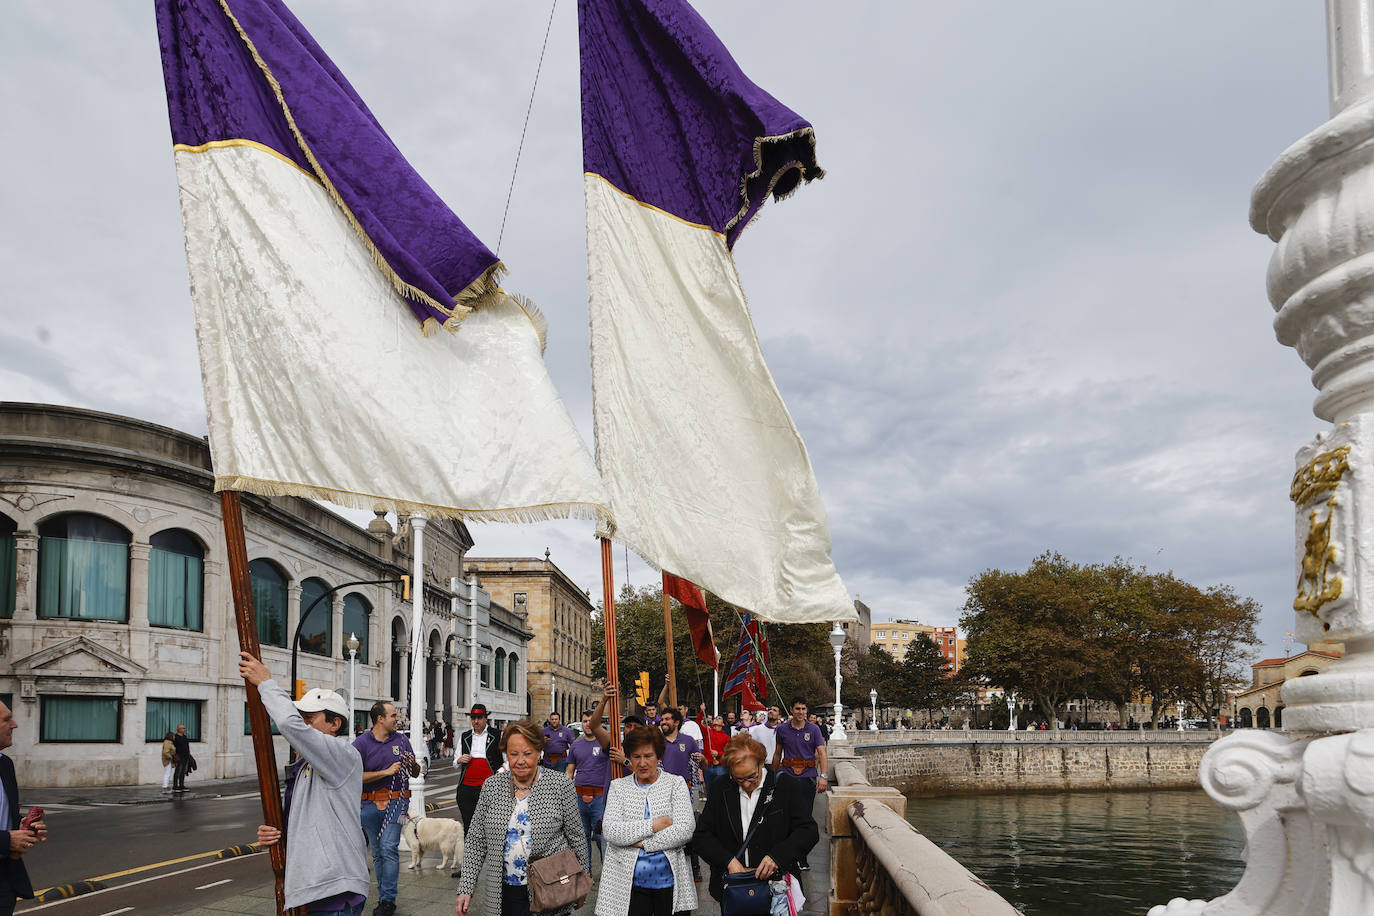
708 477
318 381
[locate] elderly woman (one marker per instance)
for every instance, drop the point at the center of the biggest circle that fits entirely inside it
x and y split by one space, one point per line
777 810
169 753
525 812
647 823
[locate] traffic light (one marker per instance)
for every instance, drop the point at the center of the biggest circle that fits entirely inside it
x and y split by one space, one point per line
642 688
300 689
405 588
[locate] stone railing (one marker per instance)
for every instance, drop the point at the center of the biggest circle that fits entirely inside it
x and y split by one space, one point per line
881 864
860 738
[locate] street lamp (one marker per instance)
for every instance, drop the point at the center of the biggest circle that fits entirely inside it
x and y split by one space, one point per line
1011 711
351 644
873 697
837 638
1179 706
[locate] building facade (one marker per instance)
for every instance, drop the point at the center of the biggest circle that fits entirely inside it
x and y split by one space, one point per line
560 617
894 636
116 618
859 632
1261 704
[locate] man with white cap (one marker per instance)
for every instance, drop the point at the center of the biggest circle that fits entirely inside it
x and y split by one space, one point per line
326 867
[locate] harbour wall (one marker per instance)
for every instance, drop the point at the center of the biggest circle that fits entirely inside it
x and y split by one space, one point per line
956 764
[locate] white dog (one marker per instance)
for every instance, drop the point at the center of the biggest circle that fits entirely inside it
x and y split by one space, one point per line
442 833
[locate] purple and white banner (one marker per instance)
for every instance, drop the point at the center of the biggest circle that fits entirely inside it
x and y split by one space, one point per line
321 266
708 477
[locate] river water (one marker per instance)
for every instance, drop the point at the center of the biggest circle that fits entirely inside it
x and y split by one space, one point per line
1098 853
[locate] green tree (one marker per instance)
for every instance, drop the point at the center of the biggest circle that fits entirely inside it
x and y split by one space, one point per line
1029 632
923 680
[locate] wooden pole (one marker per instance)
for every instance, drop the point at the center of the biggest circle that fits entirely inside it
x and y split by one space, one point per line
612 658
668 629
246 621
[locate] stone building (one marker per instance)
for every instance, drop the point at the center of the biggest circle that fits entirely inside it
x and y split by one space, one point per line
116 619
893 636
860 631
1260 705
560 616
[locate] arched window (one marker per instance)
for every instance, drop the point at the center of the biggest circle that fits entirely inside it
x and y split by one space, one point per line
500 669
316 628
357 619
1308 673
269 601
513 672
175 580
1247 720
83 568
1278 717
1262 717
8 566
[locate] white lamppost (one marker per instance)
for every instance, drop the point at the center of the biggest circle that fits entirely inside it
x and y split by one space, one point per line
1178 706
1011 711
351 643
873 697
837 638
417 656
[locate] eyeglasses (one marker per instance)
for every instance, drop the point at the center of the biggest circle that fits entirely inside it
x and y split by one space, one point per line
745 780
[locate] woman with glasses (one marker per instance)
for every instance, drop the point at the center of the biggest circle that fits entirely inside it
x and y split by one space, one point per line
647 823
777 810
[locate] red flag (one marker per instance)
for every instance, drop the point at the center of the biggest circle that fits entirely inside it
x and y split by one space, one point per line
748 701
694 603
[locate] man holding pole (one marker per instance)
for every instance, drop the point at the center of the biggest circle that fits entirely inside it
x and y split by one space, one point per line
326 868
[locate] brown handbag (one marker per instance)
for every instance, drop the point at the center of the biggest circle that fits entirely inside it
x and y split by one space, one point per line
557 881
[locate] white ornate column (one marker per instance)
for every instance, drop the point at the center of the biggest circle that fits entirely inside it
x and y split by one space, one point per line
1306 794
293 612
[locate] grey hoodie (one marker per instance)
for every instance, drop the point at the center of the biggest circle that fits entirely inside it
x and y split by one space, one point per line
325 852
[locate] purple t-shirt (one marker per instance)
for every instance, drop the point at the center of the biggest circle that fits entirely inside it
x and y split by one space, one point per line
378 755
677 756
799 742
592 762
556 741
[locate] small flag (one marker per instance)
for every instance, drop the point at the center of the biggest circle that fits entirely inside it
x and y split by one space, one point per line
321 266
706 471
698 619
745 671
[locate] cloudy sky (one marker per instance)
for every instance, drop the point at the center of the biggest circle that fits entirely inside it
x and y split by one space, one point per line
1024 310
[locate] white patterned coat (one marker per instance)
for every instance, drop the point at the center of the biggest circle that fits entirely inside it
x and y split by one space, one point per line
555 825
624 825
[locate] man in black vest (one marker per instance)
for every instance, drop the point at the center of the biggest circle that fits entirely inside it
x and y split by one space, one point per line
475 767
14 879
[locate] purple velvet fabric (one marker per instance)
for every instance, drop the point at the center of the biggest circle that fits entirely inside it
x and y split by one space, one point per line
669 118
216 91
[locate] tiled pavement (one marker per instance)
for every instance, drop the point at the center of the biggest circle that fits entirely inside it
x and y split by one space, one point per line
431 892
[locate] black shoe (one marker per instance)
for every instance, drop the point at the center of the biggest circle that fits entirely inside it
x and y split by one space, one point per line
457 874
385 908
804 866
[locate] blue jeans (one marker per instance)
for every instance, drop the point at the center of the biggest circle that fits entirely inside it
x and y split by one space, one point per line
386 859
592 812
346 911
712 774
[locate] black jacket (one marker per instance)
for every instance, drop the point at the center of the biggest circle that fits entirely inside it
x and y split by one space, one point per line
786 830
493 748
12 871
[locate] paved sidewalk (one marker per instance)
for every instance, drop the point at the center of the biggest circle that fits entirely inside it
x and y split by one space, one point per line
432 892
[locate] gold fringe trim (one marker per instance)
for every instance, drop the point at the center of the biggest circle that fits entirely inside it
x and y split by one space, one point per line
536 317
806 132
670 215
476 292
515 515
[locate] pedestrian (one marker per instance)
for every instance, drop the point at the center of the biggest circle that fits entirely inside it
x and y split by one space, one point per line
730 723
326 866
680 755
21 837
648 823
712 749
589 768
800 754
169 753
185 763
763 733
481 757
447 749
557 739
820 723
388 763
772 812
524 813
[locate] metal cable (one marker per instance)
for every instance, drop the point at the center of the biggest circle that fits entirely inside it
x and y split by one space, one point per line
519 149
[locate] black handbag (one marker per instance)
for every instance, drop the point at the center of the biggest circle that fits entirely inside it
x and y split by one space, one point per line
742 894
